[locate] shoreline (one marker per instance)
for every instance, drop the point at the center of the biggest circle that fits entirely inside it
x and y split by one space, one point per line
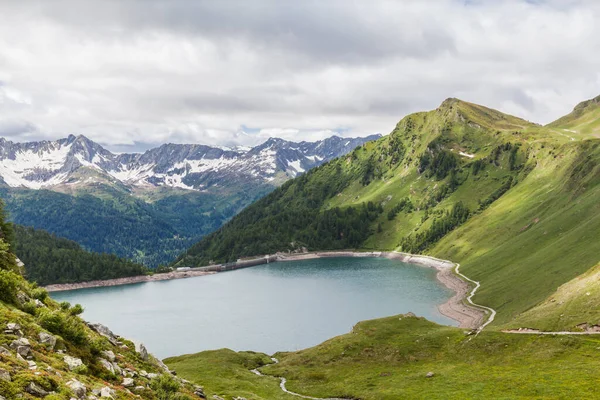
469 316
61 287
456 308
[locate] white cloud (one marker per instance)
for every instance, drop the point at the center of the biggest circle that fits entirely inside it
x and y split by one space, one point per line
235 72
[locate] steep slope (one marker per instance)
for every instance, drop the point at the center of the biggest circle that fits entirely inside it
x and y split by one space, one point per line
48 351
584 119
515 203
49 259
147 207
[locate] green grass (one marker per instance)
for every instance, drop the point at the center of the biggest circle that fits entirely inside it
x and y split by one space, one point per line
226 373
389 359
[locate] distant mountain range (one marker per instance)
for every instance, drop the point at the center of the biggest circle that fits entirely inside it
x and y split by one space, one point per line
52 164
148 207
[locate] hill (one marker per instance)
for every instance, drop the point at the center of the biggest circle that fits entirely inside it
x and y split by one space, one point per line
49 259
48 351
514 202
147 207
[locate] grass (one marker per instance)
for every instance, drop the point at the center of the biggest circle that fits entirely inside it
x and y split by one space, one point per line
227 374
389 358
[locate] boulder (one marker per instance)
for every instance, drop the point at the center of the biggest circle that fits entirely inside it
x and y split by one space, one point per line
109 355
47 340
13 326
32 365
107 392
107 365
107 333
199 391
78 388
141 349
139 388
152 376
4 375
128 382
36 390
38 303
22 298
430 375
22 346
4 350
73 362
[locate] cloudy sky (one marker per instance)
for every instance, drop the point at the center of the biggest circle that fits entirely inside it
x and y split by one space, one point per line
133 73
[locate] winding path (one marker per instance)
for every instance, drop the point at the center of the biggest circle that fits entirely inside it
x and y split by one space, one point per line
283 388
470 299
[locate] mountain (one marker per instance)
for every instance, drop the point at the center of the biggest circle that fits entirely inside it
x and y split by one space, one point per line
48 351
514 202
78 161
49 259
146 207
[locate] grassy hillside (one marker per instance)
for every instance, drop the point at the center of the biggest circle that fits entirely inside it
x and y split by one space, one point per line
47 351
390 358
49 259
584 120
514 202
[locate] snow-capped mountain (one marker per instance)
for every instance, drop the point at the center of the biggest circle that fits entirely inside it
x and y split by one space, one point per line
78 161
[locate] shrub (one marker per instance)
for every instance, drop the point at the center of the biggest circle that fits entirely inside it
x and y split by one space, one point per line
39 293
67 326
76 309
165 387
9 283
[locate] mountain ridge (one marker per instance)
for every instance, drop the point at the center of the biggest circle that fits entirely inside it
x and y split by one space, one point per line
50 164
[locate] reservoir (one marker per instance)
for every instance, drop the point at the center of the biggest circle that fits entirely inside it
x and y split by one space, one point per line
281 306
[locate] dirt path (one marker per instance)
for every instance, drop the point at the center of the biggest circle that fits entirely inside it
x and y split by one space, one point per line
284 389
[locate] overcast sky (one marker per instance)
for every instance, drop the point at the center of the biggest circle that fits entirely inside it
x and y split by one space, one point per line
131 74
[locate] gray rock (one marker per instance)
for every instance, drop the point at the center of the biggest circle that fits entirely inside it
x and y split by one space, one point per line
143 373
38 303
107 333
109 355
107 365
152 376
13 326
36 390
139 388
22 346
107 392
4 350
32 365
430 375
22 298
141 349
128 382
78 388
117 369
5 375
199 391
47 340
73 362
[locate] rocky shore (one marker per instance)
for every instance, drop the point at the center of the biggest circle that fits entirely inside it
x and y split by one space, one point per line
127 281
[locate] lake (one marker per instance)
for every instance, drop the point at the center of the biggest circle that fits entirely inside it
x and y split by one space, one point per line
268 308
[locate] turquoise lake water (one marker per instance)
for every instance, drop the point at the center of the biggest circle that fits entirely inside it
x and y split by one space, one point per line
268 308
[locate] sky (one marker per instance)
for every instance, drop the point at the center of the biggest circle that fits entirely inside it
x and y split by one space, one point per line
131 74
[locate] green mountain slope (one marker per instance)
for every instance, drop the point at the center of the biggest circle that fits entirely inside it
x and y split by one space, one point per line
149 228
585 119
514 202
47 351
49 259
